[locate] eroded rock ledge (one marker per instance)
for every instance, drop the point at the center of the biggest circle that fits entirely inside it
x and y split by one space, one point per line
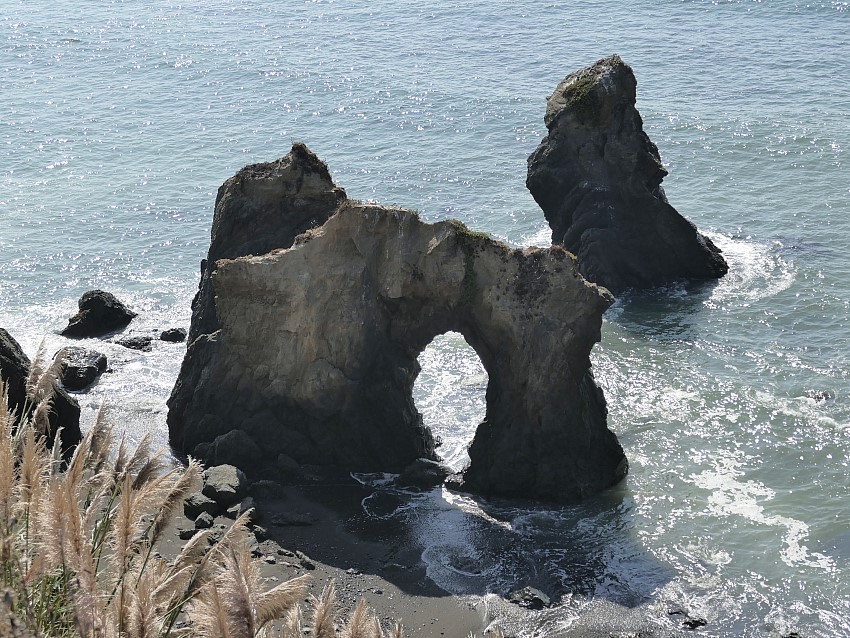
313 348
597 177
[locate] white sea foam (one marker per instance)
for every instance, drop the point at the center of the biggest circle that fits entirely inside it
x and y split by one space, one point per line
756 271
748 499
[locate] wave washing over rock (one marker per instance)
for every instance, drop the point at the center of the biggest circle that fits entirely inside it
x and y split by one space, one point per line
315 351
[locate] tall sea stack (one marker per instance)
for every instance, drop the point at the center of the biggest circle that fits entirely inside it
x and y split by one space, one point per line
597 177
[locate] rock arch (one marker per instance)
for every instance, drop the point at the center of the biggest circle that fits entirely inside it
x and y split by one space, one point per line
316 351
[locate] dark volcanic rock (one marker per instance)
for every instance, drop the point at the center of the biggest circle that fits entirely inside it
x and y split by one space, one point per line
597 177
173 335
81 367
530 598
137 342
288 466
14 369
100 313
235 448
225 484
424 474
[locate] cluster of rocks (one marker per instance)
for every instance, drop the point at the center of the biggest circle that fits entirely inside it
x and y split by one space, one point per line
226 495
100 314
225 490
15 369
75 367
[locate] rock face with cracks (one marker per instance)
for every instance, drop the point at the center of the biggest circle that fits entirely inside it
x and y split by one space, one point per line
315 349
597 177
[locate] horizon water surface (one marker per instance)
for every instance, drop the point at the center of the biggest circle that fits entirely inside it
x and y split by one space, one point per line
121 119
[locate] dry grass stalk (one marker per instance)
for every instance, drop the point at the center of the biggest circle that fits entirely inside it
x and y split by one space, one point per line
324 613
77 544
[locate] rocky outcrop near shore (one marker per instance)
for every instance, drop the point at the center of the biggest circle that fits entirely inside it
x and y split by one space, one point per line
597 176
65 411
99 313
262 208
315 349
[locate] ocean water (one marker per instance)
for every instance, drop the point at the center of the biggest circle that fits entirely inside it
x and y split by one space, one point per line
121 119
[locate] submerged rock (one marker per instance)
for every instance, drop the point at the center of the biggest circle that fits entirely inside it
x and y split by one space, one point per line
173 335
144 343
529 598
597 177
99 313
14 370
80 367
312 350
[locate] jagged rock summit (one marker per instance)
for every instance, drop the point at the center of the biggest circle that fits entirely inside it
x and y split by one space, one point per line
311 348
597 177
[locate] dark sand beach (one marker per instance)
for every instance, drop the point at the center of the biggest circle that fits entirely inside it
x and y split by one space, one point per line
320 528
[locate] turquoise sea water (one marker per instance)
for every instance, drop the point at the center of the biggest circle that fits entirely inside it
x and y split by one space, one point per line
121 119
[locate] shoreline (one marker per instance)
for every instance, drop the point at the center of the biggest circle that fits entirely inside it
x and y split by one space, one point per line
322 531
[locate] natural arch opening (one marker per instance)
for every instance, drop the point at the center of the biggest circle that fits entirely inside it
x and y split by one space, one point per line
450 394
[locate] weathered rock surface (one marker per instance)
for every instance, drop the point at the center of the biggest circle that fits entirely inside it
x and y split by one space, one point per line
225 484
14 369
99 313
143 343
261 208
597 177
424 474
197 503
81 367
173 335
234 448
313 348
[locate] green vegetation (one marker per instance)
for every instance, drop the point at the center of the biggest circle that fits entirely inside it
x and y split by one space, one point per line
470 242
471 236
579 98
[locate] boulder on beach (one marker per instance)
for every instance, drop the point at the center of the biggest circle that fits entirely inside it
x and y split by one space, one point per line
99 313
597 177
80 367
198 503
310 348
15 369
225 484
